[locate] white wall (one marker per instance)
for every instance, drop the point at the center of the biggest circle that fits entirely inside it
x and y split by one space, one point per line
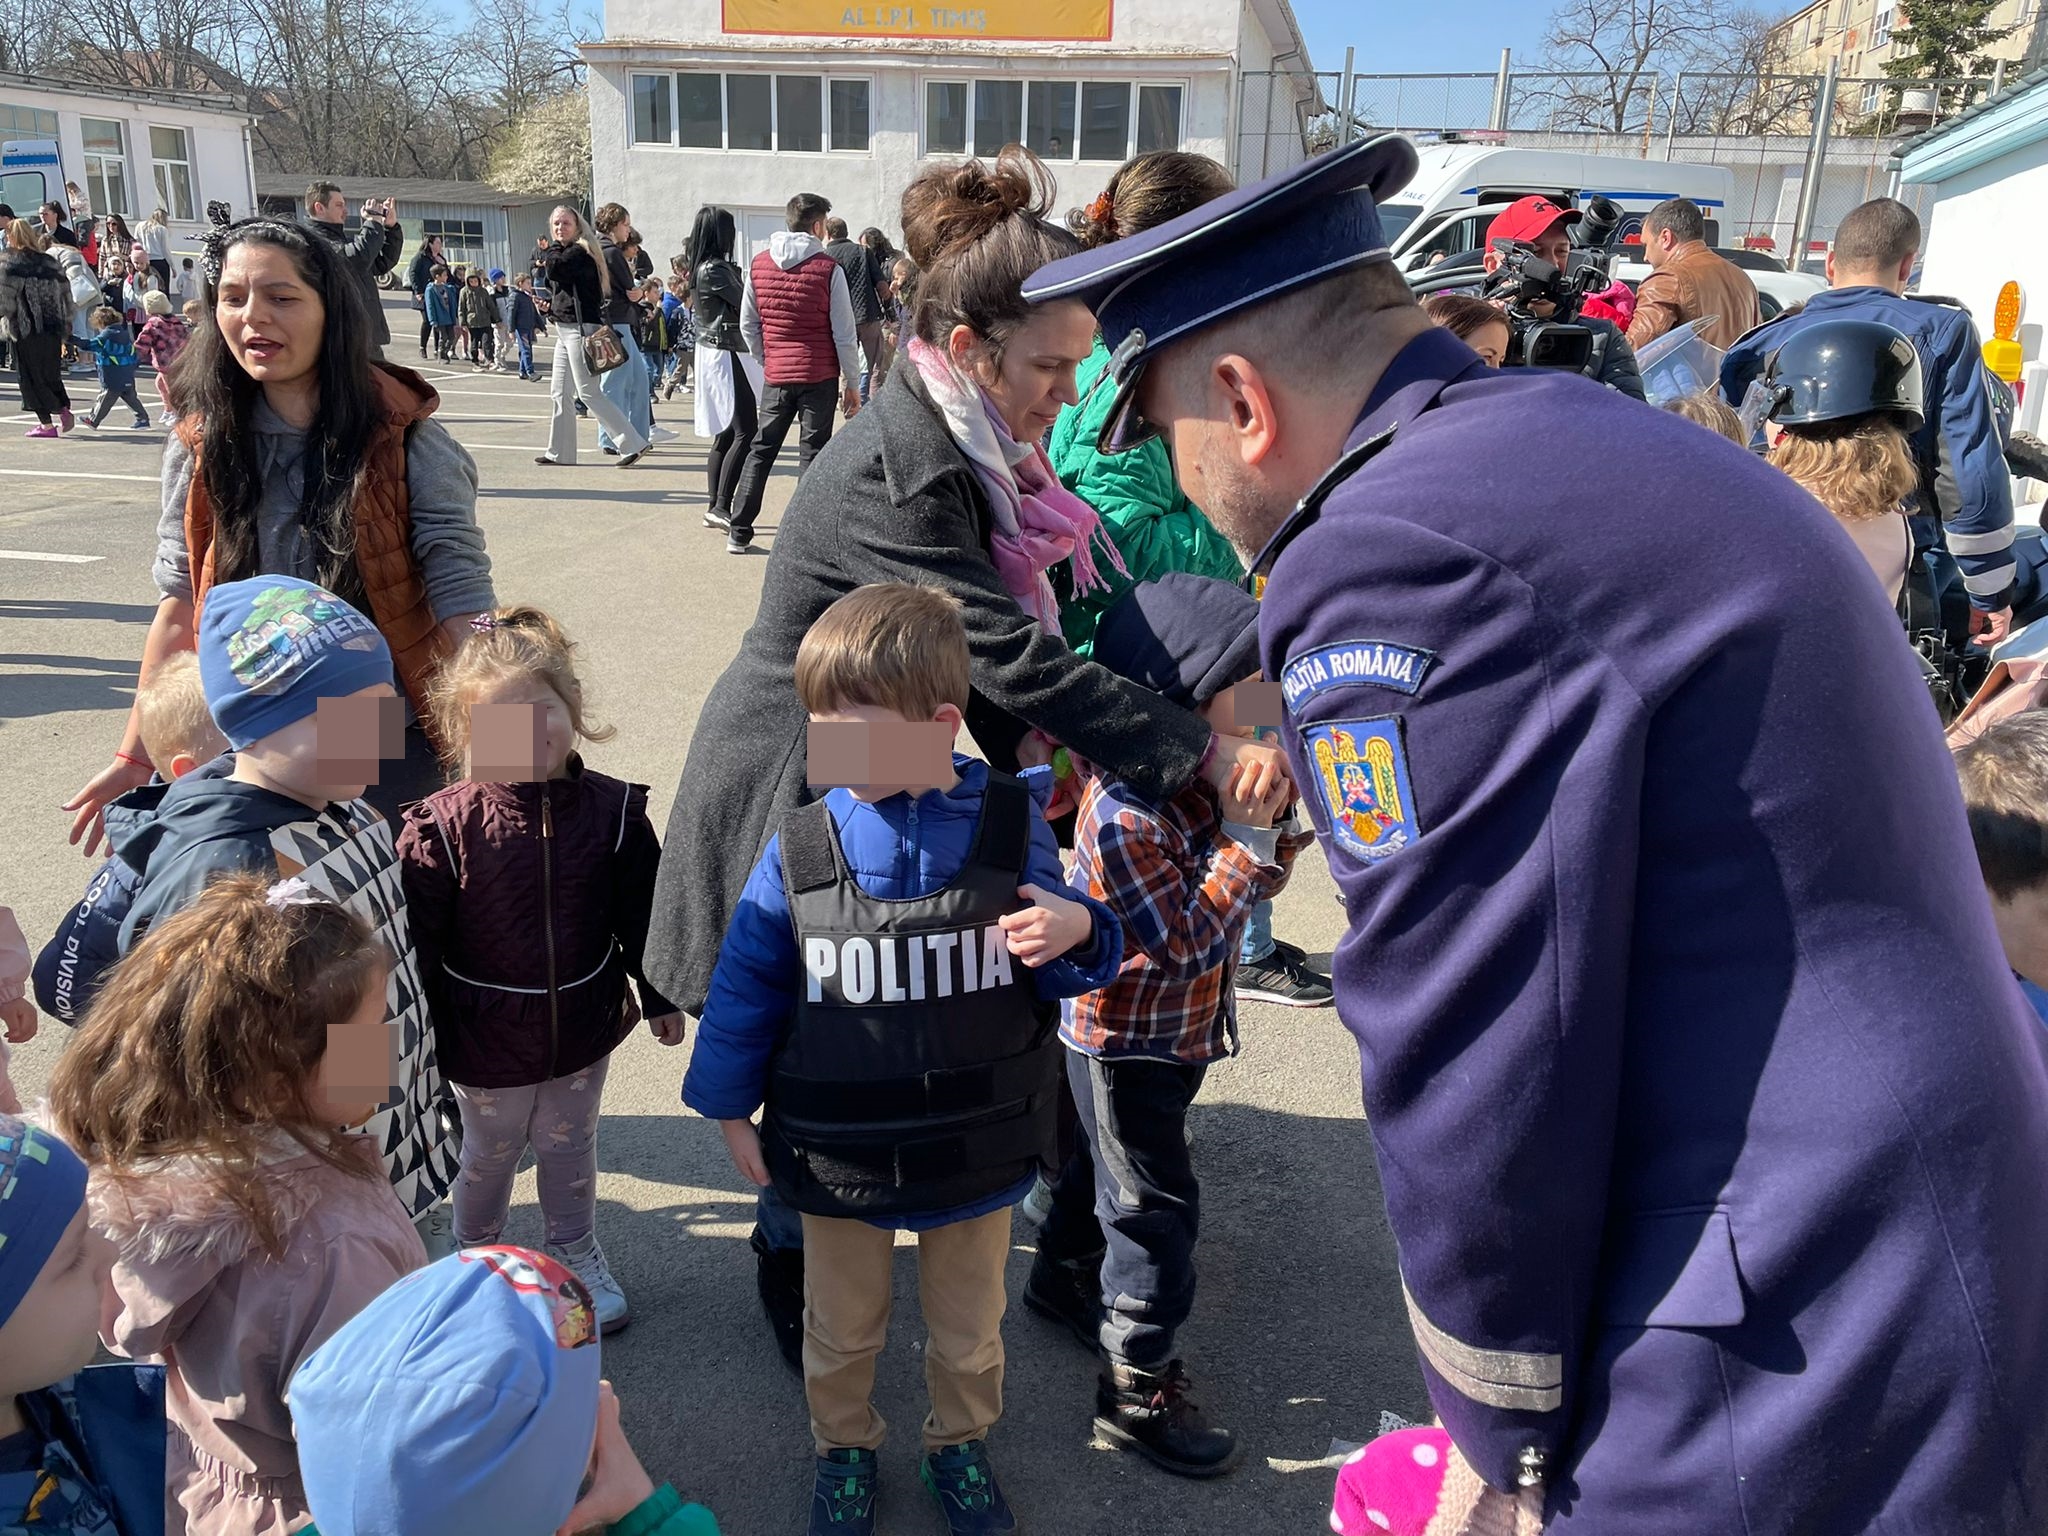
1181 26
1987 227
220 158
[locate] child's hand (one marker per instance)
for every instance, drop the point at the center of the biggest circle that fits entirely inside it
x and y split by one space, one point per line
10 1101
1246 804
618 1483
668 1029
1048 930
20 1018
743 1145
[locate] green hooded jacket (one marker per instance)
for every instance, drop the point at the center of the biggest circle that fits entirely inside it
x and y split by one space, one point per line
1153 525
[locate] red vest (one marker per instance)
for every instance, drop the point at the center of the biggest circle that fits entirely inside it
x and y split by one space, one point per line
796 319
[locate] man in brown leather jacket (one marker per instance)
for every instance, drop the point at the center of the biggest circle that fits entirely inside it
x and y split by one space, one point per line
1688 280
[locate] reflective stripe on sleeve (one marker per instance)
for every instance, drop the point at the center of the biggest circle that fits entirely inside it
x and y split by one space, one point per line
1995 580
1994 542
1496 1378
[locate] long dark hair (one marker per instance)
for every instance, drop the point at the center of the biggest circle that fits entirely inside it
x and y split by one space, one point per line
712 237
208 385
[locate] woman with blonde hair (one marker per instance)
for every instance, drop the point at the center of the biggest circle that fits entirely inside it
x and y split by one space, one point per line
572 264
1845 398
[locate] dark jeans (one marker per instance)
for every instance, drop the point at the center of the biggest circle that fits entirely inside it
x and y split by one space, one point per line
162 269
483 343
40 361
1131 1185
426 326
729 449
810 407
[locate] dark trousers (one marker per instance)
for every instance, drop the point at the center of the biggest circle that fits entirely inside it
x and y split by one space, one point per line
1130 1188
483 343
810 407
162 269
730 448
125 393
426 328
40 360
444 343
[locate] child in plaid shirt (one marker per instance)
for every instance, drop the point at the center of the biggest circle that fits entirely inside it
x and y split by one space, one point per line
1183 876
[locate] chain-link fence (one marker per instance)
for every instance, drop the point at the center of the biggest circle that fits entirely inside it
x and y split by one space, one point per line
1762 128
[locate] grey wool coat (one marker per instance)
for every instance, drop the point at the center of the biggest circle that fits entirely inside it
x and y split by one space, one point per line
890 498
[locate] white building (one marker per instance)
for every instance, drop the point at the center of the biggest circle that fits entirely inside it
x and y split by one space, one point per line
744 103
130 151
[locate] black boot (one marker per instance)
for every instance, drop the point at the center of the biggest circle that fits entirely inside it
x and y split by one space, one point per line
780 1275
1151 1413
1068 1291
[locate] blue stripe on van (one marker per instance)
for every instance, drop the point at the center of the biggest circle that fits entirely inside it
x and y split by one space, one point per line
1704 202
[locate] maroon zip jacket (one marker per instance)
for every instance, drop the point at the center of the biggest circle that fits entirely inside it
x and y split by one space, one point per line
528 905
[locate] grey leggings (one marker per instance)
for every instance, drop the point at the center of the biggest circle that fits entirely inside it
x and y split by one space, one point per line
559 1119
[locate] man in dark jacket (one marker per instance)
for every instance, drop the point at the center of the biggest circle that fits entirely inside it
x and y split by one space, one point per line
367 255
418 277
863 282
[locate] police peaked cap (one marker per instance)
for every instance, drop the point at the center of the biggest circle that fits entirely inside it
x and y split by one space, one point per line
1835 370
1244 248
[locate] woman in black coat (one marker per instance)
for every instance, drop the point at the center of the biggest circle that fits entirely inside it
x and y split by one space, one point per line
728 380
893 497
35 308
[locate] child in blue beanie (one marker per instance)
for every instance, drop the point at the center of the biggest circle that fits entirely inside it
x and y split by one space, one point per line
81 1451
300 684
466 1401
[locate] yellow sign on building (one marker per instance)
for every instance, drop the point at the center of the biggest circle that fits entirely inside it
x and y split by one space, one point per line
1065 21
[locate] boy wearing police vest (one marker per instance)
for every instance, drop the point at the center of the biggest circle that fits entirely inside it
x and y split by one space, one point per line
1182 875
888 987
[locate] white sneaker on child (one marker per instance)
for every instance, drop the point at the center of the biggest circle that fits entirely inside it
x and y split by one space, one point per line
587 1262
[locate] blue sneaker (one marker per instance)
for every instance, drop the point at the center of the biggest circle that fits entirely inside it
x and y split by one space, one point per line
843 1498
961 1479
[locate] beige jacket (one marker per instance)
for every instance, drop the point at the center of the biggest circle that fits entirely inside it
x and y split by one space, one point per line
1693 283
196 1290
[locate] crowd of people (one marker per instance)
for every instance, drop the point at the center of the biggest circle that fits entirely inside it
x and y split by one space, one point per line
1131 498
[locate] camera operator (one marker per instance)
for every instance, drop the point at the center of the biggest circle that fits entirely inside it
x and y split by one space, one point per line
1536 235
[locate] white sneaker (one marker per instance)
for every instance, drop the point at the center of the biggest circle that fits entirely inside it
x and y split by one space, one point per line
663 435
587 1262
436 1227
1037 1205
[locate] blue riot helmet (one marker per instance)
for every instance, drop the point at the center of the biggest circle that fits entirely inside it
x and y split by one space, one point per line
1835 370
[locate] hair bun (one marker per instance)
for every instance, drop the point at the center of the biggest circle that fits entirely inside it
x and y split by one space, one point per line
952 207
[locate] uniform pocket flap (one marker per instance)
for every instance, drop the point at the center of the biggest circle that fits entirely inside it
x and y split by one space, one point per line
1674 1269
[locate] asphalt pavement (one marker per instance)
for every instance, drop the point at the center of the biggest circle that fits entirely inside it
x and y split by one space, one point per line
1298 1339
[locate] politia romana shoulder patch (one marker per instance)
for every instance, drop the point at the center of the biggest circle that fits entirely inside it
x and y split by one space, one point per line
1361 778
1381 663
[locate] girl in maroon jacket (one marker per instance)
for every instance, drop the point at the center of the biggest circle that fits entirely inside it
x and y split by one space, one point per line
528 885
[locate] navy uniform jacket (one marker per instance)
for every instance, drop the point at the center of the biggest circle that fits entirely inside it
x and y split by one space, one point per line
1712 1125
1963 473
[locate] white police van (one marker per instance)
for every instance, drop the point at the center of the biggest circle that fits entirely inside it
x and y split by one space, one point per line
31 174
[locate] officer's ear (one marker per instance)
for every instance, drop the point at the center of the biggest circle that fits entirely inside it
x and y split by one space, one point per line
1247 410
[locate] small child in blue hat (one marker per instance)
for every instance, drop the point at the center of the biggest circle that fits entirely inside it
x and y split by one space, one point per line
81 1451
467 1401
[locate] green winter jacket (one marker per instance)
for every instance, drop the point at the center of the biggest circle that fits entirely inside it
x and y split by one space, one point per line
663 1513
1153 525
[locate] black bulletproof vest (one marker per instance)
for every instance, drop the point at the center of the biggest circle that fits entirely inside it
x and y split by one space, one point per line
920 1071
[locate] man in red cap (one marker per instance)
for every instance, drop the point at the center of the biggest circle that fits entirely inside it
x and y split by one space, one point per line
1541 227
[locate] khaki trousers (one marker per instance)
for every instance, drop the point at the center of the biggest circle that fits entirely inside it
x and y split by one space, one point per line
846 1321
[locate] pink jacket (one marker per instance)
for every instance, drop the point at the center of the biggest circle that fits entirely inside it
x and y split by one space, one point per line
197 1290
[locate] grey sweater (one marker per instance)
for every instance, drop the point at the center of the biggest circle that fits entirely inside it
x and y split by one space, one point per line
439 473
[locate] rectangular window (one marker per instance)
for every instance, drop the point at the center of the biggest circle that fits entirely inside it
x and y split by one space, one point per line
749 112
653 109
945 117
799 114
1105 120
1049 118
28 122
1881 31
700 112
998 115
850 115
1158 118
106 165
170 155
462 240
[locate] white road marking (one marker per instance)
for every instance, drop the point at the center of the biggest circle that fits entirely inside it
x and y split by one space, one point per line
38 554
79 474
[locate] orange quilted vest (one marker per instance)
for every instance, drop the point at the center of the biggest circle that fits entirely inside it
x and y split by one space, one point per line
383 527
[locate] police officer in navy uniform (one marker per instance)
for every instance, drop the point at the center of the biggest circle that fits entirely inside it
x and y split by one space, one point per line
1711 1124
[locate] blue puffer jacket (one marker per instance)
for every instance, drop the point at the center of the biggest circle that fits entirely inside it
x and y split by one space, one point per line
1963 475
898 849
72 965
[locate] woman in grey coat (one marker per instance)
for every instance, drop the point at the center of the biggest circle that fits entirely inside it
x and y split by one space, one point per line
910 491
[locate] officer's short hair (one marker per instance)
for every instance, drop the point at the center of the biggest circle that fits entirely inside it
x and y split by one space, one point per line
1680 215
1311 327
889 645
805 209
1877 236
2005 791
835 228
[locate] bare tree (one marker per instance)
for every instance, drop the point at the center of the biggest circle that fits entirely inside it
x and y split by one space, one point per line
1618 50
546 153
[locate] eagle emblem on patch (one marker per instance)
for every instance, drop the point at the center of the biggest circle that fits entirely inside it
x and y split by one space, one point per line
1361 776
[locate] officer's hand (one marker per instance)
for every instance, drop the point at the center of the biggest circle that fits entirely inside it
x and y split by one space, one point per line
743 1142
1268 765
1989 629
668 1028
1252 810
1047 930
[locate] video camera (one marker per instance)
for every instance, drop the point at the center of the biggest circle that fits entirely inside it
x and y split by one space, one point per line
1524 280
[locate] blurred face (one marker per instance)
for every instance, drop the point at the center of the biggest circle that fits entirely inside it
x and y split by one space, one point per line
271 319
562 225
1490 341
117 267
520 731
1244 710
360 1069
874 752
54 1332
1034 378
1554 245
331 754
